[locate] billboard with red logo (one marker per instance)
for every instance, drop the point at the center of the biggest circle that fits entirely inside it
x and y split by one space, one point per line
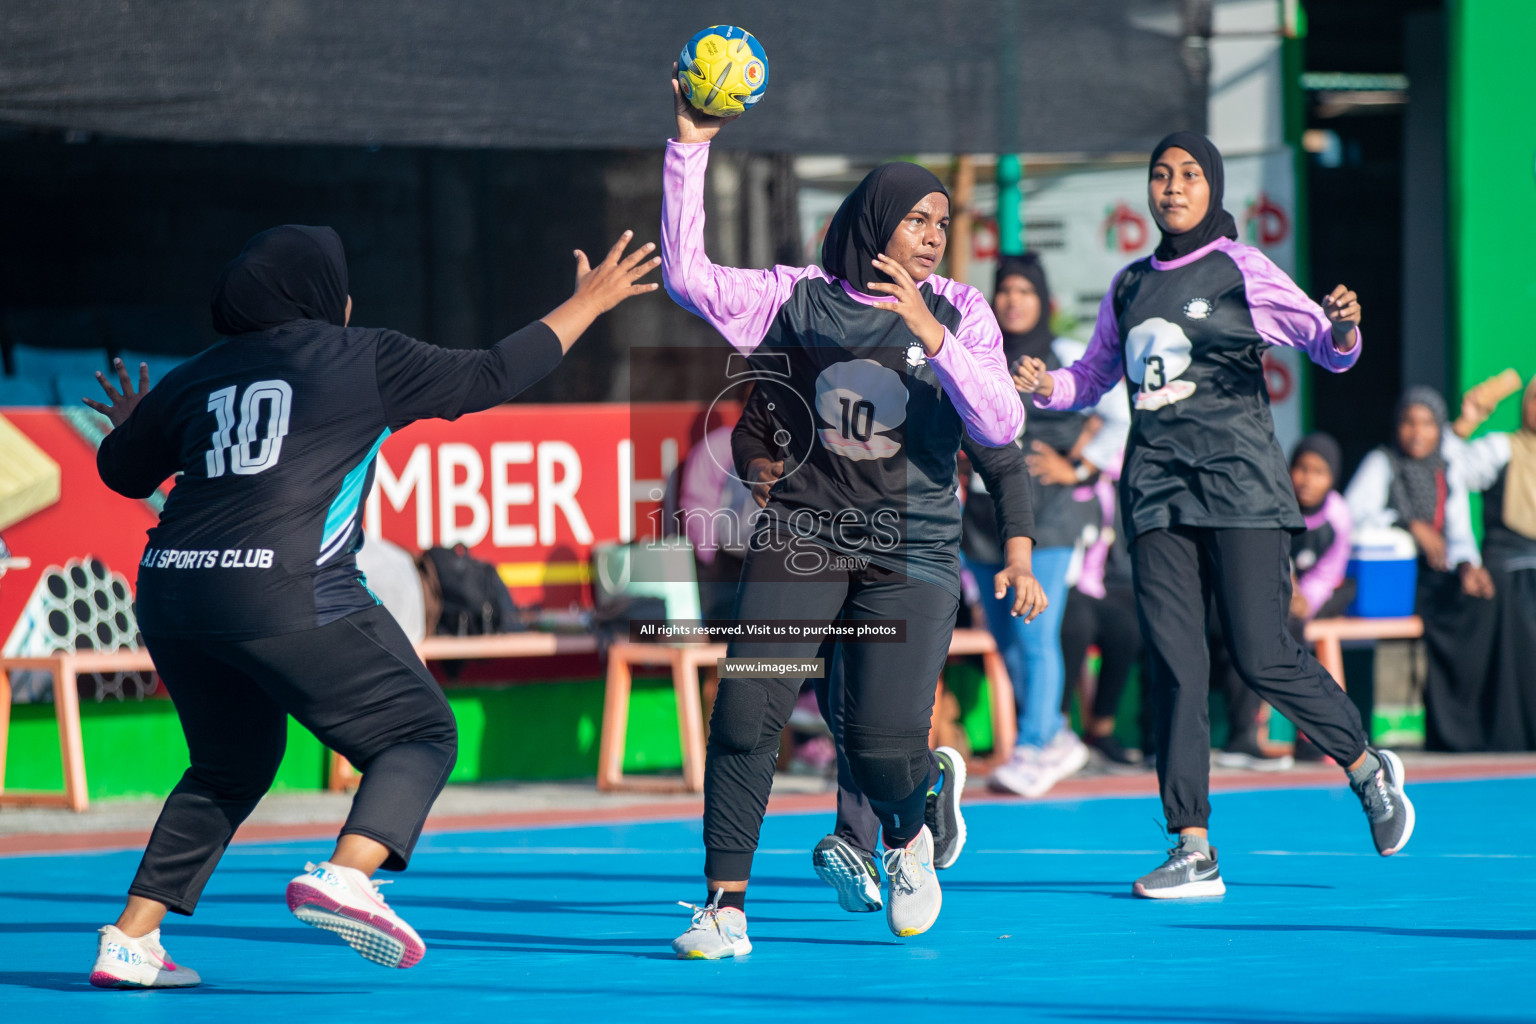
528 488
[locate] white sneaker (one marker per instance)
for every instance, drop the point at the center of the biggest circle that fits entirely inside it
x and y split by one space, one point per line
1019 773
716 933
1064 756
347 902
124 962
913 901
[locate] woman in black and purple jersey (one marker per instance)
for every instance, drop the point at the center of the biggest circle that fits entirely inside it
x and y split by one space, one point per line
881 365
1207 501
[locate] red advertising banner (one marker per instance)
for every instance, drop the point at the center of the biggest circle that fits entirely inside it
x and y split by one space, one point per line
528 488
532 488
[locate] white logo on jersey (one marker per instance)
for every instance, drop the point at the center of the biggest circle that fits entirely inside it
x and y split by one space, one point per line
916 355
1198 309
1156 354
862 400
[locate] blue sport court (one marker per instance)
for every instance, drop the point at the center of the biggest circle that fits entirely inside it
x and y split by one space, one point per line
572 924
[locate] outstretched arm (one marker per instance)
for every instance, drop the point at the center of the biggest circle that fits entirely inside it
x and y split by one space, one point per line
1081 385
135 458
740 304
420 381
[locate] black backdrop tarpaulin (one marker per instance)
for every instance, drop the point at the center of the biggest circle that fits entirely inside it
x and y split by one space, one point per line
847 76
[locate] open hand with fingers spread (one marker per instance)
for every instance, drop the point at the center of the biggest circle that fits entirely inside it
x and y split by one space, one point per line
122 402
599 288
909 303
613 280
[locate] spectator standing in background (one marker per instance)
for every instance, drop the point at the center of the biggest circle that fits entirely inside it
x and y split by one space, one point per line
1412 485
1063 453
1502 704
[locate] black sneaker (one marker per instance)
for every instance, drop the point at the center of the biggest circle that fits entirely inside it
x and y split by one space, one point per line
1244 752
1110 749
851 871
942 813
1386 805
1184 875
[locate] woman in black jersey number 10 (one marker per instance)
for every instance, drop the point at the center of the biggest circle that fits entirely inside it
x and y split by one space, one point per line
273 432
885 365
1207 501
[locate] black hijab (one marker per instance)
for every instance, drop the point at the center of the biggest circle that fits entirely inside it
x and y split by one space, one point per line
292 272
1037 340
1217 223
1326 448
1418 488
868 218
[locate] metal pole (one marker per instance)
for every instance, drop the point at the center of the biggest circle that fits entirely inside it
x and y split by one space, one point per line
1010 199
1010 204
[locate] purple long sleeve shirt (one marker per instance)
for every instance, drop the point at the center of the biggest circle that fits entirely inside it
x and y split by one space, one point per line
872 422
1190 335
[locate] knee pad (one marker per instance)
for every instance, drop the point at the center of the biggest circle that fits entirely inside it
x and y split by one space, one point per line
888 766
741 721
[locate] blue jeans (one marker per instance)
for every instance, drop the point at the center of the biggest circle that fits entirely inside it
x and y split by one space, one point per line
1032 652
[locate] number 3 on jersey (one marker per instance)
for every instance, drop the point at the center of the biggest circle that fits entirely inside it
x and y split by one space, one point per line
261 425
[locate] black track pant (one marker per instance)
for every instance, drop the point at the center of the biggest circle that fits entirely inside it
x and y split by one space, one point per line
857 822
1108 623
355 683
1248 574
1244 706
887 699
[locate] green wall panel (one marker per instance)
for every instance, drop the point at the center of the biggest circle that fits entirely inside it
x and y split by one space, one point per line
131 749
1492 114
545 731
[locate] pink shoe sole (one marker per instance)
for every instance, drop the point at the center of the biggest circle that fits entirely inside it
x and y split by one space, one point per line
373 937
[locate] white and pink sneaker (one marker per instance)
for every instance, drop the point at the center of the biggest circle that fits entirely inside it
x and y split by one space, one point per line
126 962
347 902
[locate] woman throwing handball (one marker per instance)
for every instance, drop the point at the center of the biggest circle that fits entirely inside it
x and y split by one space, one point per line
886 364
249 595
1207 500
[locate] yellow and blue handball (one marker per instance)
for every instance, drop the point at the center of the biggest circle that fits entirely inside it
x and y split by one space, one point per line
723 70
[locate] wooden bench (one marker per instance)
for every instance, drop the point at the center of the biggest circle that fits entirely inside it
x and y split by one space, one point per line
67 666
341 775
684 662
1329 636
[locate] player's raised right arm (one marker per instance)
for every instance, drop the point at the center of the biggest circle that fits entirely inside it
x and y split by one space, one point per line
738 303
